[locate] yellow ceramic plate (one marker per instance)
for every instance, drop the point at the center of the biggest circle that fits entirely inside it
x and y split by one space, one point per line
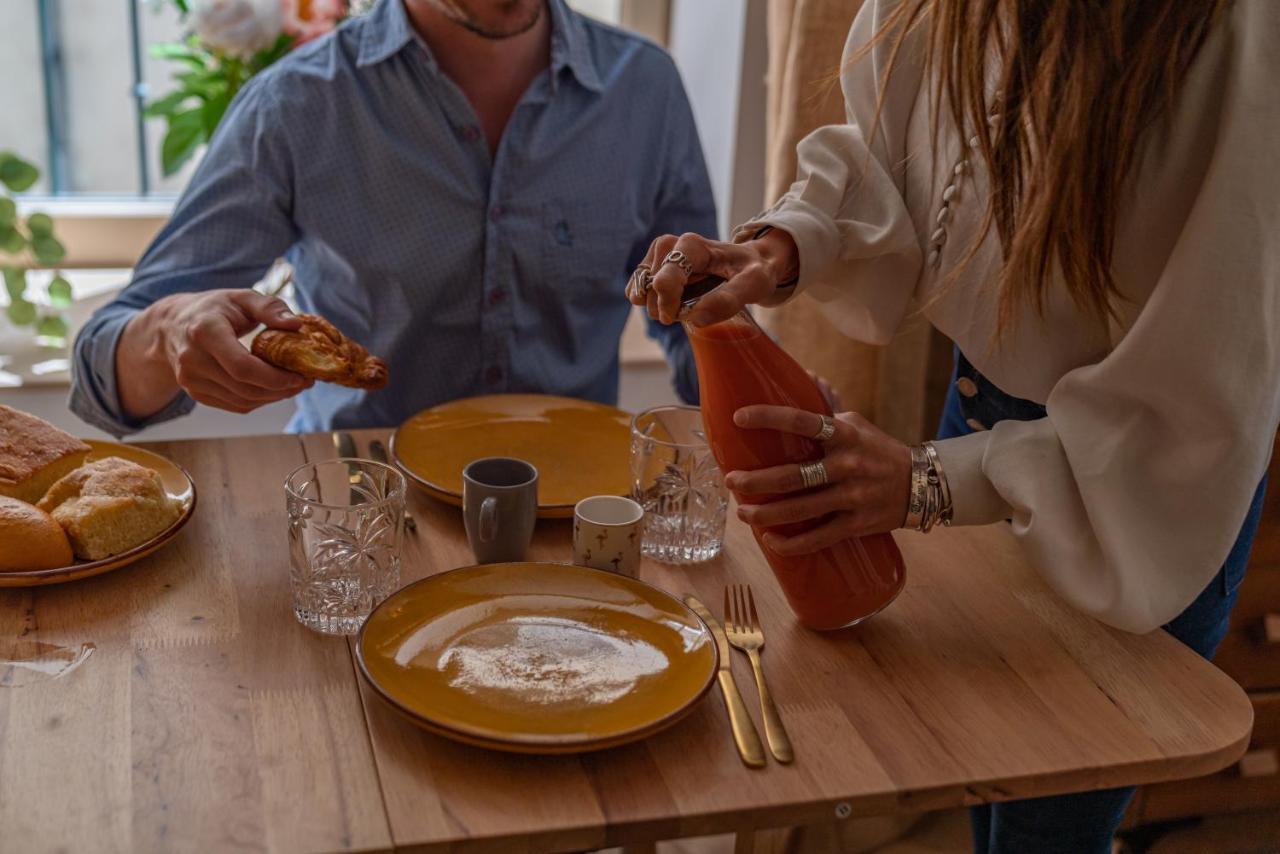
537 657
176 482
579 448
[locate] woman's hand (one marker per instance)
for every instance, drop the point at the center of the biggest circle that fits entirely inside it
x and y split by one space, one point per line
869 481
751 271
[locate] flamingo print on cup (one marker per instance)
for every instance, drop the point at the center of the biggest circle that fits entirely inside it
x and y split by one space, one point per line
606 534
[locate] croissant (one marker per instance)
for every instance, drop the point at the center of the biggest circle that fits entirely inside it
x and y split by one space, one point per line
319 351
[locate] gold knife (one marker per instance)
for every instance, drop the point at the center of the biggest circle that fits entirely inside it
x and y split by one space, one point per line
345 445
744 731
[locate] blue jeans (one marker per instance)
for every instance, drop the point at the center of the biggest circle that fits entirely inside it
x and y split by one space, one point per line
1081 823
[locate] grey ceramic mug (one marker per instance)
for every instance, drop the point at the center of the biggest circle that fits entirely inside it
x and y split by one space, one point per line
500 507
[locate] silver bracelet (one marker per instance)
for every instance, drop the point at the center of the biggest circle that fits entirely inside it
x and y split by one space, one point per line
939 477
930 500
918 498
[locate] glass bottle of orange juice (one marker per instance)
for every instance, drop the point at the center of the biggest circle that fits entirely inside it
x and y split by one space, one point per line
739 365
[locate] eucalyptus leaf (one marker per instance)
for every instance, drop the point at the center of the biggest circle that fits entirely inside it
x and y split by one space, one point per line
186 132
213 111
52 326
15 282
17 174
21 312
40 225
60 292
8 211
167 105
48 250
191 54
11 240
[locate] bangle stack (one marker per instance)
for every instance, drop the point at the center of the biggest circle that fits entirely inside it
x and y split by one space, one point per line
930 500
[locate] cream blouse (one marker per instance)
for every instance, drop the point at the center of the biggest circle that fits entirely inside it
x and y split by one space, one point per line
1130 494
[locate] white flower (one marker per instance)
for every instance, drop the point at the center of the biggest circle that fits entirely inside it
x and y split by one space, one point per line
237 27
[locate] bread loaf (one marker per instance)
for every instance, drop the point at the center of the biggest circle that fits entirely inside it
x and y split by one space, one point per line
109 506
33 454
30 538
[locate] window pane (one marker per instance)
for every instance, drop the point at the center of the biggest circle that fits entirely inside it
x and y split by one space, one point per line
101 138
158 23
22 128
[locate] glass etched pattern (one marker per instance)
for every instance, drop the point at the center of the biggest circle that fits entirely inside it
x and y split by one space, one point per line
676 480
346 520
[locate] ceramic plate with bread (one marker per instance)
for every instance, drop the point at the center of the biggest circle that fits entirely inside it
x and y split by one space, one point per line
71 508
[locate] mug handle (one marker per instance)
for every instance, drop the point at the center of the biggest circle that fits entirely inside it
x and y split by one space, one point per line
488 519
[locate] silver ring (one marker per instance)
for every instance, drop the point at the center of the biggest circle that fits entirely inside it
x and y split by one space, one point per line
675 256
814 474
828 431
641 281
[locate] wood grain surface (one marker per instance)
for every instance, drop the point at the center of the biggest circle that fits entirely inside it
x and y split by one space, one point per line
206 718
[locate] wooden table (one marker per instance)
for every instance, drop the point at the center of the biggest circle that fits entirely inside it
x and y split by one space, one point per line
207 719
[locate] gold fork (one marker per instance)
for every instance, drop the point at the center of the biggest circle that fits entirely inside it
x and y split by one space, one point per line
742 625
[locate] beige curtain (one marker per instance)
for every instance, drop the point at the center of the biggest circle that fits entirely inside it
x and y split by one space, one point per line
899 386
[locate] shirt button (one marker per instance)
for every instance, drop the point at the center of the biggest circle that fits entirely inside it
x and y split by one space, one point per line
967 387
493 375
496 296
496 212
471 133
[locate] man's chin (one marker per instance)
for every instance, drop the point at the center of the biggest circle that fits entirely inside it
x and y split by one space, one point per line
501 20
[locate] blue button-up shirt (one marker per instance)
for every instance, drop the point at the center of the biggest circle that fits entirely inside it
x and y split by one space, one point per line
363 164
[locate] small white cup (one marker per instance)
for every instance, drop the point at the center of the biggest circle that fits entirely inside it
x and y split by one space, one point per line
607 532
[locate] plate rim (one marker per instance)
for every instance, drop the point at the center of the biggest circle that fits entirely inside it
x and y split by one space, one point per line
455 498
88 569
546 744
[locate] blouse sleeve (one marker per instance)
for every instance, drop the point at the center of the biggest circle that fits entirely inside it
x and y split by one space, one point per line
846 211
1131 493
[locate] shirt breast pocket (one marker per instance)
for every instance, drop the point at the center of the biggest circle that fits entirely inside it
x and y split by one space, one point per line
584 256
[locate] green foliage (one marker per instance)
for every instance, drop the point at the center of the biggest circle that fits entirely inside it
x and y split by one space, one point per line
48 250
15 281
15 173
206 81
40 225
22 313
53 326
11 240
60 292
24 244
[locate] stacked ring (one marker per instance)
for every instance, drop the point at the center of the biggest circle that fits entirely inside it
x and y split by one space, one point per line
813 474
675 256
641 281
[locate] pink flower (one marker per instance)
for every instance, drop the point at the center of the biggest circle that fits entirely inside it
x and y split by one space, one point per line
309 19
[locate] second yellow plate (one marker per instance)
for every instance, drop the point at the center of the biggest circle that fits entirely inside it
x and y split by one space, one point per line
537 657
579 448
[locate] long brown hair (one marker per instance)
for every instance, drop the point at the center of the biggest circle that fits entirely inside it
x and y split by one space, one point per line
1078 81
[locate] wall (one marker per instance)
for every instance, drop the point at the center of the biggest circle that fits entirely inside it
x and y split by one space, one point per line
720 48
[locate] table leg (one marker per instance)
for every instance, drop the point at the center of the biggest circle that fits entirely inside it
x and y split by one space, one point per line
772 841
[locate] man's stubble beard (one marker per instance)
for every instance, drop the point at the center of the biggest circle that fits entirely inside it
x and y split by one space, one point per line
455 11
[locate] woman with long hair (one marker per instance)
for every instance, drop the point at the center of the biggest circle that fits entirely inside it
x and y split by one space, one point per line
1084 196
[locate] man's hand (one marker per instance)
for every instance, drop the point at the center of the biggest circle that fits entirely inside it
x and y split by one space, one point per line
189 342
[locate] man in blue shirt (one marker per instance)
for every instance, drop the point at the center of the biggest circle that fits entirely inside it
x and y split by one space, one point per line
460 186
